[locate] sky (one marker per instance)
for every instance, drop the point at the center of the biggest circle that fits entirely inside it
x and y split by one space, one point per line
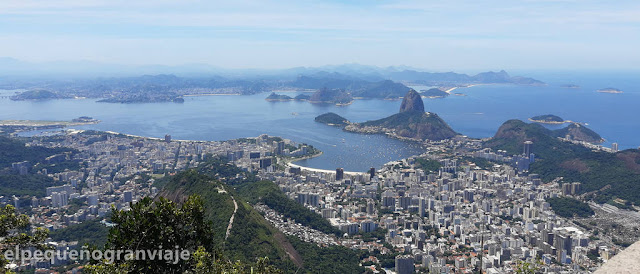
434 35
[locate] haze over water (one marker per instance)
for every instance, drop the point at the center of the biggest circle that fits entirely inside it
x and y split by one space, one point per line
479 114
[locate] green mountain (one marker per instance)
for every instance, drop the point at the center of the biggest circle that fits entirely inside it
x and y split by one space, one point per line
579 132
604 175
220 183
250 236
333 96
332 119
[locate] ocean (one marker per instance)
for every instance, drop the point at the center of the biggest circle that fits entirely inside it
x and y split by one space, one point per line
479 113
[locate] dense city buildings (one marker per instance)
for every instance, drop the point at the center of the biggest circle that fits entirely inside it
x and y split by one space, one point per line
458 217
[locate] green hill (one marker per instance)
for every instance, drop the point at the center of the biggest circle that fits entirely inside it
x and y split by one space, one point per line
607 175
11 151
579 132
333 96
250 237
332 119
216 181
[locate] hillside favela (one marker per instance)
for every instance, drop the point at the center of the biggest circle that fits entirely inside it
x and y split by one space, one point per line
319 136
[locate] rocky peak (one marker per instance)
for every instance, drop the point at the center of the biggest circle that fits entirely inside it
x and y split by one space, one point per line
412 102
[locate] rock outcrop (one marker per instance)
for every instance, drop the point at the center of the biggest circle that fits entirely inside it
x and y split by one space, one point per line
412 102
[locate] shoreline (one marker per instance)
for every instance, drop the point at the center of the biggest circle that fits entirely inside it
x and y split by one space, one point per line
211 94
322 170
550 122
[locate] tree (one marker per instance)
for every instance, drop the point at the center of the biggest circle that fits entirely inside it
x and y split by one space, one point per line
161 224
13 233
523 267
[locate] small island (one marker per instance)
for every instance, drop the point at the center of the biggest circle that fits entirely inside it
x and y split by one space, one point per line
274 97
332 119
434 93
571 86
610 90
548 119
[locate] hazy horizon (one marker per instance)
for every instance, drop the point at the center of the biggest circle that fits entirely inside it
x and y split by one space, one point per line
441 36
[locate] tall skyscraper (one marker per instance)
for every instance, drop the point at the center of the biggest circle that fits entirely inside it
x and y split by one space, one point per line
527 148
372 172
279 148
167 138
404 264
339 174
614 146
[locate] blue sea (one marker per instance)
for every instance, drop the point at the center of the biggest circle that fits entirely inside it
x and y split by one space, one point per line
477 114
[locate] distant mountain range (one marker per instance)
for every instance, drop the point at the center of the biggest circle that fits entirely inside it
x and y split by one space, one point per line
115 83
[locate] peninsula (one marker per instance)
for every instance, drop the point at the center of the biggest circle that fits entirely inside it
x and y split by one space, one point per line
412 122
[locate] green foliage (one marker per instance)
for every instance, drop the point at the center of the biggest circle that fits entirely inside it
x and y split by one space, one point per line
527 267
251 236
12 151
267 192
331 259
151 225
378 234
205 262
13 227
569 207
218 206
21 185
428 165
547 118
479 162
90 232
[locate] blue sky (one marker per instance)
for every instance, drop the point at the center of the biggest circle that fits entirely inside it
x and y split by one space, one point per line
433 35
